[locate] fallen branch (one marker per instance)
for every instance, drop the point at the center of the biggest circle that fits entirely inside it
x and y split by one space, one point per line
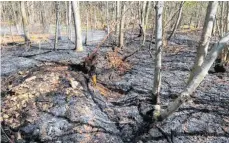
164 134
131 54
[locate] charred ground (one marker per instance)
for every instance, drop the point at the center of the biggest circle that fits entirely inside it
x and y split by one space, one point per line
47 99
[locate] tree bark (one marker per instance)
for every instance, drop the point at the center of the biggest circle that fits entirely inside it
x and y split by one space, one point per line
221 19
57 24
77 22
15 17
196 80
226 50
24 21
69 21
205 37
177 21
95 19
157 60
43 19
117 19
86 37
121 30
107 17
147 10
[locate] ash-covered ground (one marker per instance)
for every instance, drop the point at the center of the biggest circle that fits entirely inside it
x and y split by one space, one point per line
47 101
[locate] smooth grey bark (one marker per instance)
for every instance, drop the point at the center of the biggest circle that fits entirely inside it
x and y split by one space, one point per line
227 18
157 60
107 18
205 37
24 21
86 37
95 19
57 24
196 80
43 19
147 10
77 25
69 21
221 19
15 17
117 19
142 26
121 28
177 21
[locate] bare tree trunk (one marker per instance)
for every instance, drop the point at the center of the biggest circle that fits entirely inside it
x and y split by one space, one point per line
43 19
205 37
95 19
57 24
15 18
117 19
157 60
190 21
196 80
221 19
121 30
227 18
86 37
178 20
226 50
69 21
24 22
107 18
147 9
142 25
66 18
214 28
77 22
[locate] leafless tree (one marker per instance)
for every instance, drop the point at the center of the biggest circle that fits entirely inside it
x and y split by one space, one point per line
77 22
157 60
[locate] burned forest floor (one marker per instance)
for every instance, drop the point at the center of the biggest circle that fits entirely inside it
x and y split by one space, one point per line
47 97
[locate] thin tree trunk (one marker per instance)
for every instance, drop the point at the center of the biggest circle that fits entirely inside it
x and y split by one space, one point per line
121 30
205 37
226 50
43 19
196 80
227 18
69 21
142 26
178 20
117 19
214 28
107 17
24 22
147 10
66 18
221 19
190 22
15 18
157 60
77 22
95 19
57 24
86 37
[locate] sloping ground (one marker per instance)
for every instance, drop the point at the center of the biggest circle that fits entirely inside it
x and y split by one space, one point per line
53 103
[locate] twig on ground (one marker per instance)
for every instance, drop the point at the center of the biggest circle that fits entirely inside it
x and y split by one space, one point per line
164 134
6 135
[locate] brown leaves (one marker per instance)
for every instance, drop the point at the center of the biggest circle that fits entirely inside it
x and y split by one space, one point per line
117 62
